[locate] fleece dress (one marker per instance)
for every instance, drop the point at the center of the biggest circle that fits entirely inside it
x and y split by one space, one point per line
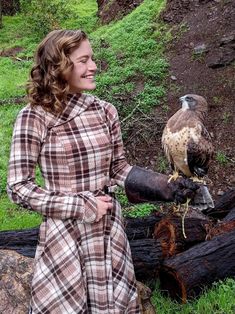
81 266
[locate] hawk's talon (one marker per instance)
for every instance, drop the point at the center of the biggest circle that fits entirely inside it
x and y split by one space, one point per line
173 176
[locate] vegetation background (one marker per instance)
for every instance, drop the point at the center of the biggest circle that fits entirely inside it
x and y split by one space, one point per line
135 45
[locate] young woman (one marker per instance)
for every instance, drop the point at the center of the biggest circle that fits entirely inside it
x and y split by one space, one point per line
83 261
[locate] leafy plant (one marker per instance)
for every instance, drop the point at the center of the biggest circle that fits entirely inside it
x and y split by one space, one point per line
226 117
221 157
140 210
43 15
162 164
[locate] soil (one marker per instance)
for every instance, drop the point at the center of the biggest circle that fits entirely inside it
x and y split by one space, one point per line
201 58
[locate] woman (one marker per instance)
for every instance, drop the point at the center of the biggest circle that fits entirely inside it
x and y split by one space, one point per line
83 262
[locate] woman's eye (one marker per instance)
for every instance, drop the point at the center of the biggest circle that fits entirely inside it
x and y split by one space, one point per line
83 60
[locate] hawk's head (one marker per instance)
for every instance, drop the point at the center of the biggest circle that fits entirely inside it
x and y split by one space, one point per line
194 102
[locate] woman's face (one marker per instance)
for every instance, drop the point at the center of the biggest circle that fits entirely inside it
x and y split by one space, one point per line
82 76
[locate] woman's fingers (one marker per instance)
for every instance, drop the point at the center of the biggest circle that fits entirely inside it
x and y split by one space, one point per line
104 203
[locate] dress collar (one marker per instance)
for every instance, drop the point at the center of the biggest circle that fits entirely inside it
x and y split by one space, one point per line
75 105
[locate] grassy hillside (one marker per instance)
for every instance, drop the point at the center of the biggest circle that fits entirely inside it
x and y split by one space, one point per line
129 55
131 73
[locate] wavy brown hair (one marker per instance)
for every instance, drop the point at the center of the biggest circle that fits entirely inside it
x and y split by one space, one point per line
47 85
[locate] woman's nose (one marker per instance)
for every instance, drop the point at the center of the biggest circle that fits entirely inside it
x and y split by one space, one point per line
92 65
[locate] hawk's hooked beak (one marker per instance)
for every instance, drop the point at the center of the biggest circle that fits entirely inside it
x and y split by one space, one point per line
184 103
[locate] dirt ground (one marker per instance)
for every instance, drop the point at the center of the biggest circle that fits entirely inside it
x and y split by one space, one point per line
201 58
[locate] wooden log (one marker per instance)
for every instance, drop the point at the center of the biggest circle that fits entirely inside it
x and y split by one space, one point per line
223 205
186 274
142 228
147 257
146 252
22 241
223 226
230 216
169 232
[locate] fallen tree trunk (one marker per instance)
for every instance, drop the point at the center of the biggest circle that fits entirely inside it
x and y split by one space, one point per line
169 232
22 241
223 205
230 216
223 226
186 274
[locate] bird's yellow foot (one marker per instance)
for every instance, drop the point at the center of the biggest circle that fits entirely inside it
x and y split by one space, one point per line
174 176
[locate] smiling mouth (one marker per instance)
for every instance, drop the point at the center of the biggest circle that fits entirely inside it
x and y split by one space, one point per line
91 77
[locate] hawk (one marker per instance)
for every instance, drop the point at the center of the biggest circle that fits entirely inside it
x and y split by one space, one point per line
188 146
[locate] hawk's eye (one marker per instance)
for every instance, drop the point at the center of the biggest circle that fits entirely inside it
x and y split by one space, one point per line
188 98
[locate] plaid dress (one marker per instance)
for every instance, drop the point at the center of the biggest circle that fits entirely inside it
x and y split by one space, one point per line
81 266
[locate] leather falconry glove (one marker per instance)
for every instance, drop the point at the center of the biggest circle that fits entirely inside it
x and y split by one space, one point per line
142 185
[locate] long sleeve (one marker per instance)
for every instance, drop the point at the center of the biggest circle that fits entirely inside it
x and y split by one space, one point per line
28 135
119 166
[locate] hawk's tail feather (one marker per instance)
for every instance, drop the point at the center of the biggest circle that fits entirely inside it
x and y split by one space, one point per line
203 199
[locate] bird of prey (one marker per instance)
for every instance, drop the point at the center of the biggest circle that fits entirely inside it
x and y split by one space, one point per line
188 146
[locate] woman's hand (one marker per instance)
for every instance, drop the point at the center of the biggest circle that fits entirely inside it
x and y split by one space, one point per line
104 203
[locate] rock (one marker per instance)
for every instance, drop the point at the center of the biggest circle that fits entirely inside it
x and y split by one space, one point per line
220 192
232 179
15 277
199 49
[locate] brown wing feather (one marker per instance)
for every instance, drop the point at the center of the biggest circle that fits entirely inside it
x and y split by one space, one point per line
200 152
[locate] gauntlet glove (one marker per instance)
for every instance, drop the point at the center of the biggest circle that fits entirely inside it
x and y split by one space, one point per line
143 185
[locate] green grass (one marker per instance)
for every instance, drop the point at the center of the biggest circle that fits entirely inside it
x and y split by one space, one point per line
15 34
217 300
133 52
13 217
13 76
83 15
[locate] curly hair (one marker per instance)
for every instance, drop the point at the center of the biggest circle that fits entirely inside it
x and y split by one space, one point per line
47 85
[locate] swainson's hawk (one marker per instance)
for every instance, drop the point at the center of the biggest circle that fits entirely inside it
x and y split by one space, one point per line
187 144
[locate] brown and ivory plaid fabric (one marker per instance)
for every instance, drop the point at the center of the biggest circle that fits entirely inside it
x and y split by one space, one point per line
81 266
